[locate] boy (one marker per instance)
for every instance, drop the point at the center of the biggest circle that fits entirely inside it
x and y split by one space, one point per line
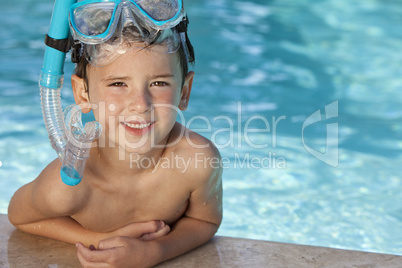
137 203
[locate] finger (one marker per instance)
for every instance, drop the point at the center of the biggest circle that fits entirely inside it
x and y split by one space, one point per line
160 233
92 258
138 229
113 242
149 227
86 264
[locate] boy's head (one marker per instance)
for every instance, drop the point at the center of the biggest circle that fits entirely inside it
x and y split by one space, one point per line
105 30
141 90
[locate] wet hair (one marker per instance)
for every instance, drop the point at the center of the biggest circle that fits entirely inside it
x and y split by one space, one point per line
81 67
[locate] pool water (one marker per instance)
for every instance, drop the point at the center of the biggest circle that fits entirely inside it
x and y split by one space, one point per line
304 101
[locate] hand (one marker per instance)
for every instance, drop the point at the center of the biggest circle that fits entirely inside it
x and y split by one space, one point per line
145 231
116 252
126 248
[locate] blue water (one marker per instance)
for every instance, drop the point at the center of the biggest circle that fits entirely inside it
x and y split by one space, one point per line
263 68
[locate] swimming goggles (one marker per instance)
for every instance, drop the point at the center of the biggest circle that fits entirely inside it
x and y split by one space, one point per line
96 21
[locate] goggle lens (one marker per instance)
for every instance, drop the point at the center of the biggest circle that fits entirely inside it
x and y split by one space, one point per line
159 10
93 19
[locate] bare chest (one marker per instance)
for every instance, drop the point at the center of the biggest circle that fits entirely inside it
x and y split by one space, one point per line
110 208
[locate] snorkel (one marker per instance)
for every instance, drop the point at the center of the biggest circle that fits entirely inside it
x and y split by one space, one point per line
68 137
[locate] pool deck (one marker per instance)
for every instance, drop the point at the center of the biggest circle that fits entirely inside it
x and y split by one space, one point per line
18 249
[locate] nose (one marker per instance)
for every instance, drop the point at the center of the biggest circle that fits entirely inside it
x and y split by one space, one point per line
139 101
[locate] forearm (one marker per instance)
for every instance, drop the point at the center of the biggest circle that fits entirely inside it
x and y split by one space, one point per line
186 234
64 229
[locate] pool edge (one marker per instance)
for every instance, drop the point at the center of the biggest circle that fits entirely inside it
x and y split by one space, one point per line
18 249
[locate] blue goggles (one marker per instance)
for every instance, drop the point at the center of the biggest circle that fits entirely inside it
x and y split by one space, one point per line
96 21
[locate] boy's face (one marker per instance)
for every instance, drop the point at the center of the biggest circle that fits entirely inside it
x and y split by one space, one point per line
135 98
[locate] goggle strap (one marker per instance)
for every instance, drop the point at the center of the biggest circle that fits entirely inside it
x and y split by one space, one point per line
76 51
182 26
62 45
184 44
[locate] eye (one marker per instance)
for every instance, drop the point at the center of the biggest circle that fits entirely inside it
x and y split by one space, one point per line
117 84
159 84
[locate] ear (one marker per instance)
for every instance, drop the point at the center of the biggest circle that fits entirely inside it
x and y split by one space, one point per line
81 97
186 90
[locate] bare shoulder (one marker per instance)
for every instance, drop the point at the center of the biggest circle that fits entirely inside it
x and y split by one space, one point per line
52 194
45 197
202 155
204 173
192 142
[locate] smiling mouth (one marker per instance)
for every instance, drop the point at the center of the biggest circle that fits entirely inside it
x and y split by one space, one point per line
138 126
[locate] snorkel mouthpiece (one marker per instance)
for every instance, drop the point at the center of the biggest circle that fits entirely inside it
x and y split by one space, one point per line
79 142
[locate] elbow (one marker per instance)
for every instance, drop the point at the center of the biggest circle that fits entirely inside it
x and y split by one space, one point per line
15 211
218 219
214 226
213 229
215 221
12 217
16 214
13 221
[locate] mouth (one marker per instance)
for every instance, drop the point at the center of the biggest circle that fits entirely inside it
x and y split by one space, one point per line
138 128
138 125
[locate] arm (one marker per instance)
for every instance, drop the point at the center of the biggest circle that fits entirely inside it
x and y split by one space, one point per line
204 213
67 230
199 224
43 207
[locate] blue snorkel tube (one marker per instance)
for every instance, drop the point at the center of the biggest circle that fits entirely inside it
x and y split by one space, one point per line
68 137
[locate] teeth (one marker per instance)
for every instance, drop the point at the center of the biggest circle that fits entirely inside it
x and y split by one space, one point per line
138 126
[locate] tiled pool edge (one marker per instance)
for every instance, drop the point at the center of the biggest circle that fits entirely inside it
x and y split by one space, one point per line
18 249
